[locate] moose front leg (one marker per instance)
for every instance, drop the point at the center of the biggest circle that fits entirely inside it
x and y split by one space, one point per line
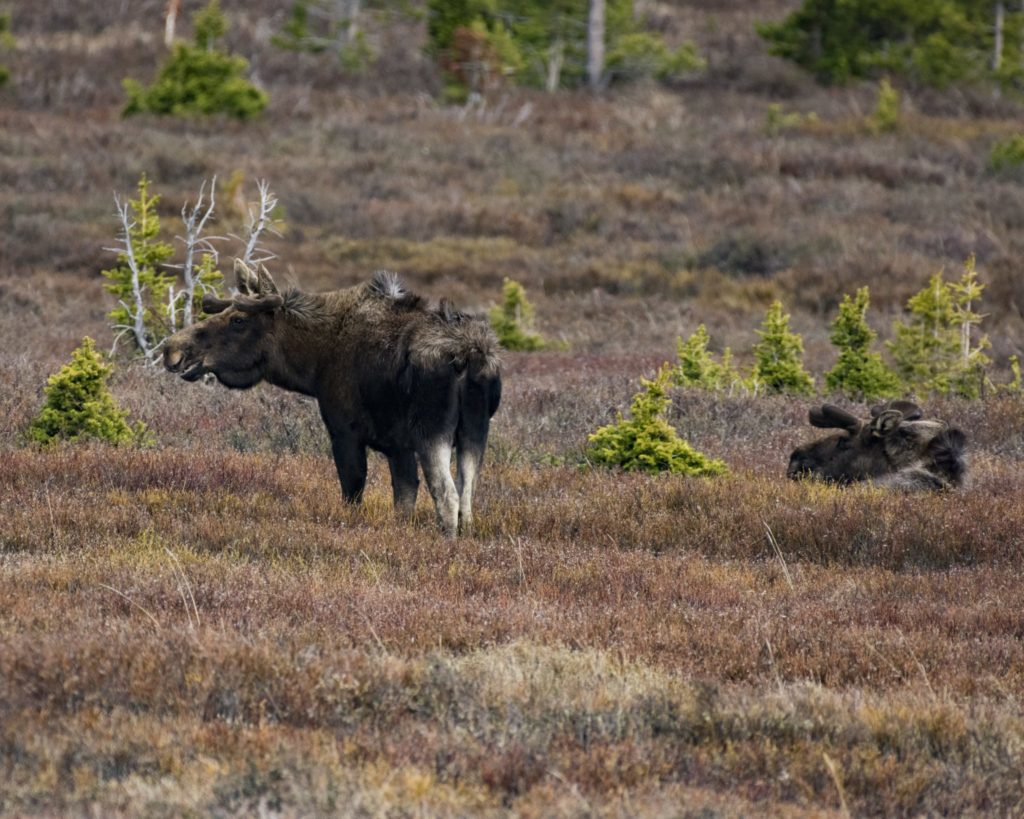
405 482
350 461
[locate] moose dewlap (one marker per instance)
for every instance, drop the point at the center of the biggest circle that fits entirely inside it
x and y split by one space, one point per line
389 372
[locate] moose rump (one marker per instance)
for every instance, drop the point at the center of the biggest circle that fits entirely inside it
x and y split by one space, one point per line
389 372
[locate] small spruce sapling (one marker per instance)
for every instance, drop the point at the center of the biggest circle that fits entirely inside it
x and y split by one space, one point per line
79 405
646 442
697 367
859 373
6 41
1008 154
778 356
934 349
886 116
512 320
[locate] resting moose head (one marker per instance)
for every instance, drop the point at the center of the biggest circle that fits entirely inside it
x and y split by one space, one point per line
236 342
895 447
389 372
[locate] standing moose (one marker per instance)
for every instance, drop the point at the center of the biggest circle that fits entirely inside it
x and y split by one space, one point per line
896 447
389 372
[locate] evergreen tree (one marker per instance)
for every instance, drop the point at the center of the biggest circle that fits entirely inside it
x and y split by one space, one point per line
778 365
647 442
886 116
934 349
6 41
933 42
512 320
79 405
697 366
199 78
859 373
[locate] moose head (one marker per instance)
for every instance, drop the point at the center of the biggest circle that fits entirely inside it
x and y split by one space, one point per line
236 343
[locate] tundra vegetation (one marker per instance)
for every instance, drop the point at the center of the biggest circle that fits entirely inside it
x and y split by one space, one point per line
203 626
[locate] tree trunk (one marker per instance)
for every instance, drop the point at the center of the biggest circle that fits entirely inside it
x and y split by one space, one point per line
170 20
595 46
997 47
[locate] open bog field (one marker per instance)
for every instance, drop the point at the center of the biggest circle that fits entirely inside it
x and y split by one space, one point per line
203 627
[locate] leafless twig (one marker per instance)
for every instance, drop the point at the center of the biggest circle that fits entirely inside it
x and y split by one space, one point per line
259 222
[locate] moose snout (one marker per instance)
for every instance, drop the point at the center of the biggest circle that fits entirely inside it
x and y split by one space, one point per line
173 359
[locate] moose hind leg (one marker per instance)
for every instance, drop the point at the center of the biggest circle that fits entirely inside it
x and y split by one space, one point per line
436 459
405 482
350 461
468 467
471 442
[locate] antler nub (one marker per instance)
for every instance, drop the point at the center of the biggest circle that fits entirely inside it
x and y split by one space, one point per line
246 280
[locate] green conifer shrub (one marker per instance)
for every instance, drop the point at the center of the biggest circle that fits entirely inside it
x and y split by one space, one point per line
934 349
647 442
6 41
643 54
697 367
199 78
778 356
777 119
512 320
1008 154
79 405
859 373
931 42
886 116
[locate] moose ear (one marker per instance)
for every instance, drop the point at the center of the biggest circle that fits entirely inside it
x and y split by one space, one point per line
265 281
832 417
246 280
886 422
211 304
258 304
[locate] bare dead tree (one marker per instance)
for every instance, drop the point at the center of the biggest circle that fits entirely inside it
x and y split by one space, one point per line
194 219
170 21
997 46
595 46
137 309
260 221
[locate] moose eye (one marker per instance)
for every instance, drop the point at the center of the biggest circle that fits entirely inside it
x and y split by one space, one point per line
237 321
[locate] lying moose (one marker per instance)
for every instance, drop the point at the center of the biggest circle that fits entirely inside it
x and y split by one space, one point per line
388 371
896 447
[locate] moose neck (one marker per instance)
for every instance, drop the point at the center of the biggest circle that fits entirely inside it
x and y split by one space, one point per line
299 353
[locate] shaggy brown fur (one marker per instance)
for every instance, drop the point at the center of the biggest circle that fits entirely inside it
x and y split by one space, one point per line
896 447
389 372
